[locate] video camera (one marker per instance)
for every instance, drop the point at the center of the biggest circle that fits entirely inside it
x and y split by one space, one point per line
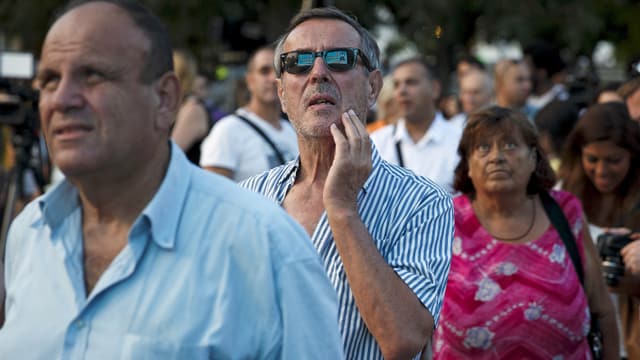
18 100
19 111
609 246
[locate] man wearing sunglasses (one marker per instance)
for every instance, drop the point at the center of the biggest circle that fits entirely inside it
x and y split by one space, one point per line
383 234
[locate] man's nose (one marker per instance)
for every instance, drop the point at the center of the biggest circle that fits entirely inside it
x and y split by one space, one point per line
319 71
67 95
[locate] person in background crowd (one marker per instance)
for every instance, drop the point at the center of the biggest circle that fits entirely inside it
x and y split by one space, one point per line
193 121
513 86
383 233
138 253
476 93
421 140
255 138
513 291
547 75
554 123
449 105
387 112
465 64
200 90
630 92
607 93
601 166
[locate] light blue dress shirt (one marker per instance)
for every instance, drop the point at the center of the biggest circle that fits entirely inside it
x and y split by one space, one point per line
210 271
410 219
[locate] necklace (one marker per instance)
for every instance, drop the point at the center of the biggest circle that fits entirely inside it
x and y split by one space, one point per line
533 221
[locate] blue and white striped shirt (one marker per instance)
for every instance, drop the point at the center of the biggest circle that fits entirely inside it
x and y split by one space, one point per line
410 218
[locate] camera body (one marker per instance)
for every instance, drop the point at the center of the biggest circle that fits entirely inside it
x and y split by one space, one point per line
18 100
609 246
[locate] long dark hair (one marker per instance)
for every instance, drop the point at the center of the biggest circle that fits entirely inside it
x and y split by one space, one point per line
603 122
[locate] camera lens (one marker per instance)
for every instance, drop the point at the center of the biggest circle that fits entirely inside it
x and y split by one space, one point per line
612 269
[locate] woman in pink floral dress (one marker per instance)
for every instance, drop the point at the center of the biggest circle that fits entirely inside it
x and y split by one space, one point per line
513 292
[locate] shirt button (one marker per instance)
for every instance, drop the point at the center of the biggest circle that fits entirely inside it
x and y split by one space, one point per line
79 324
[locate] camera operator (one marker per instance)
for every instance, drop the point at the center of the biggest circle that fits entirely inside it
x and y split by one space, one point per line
23 173
601 166
630 282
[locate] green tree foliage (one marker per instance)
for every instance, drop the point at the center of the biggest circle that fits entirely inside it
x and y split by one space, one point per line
441 29
573 25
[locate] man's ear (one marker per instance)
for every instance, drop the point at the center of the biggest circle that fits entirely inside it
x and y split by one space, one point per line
281 95
168 95
375 84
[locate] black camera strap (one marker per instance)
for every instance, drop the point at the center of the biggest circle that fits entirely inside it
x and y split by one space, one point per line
398 150
264 136
559 221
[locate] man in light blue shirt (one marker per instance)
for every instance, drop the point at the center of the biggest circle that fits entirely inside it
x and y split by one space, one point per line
138 254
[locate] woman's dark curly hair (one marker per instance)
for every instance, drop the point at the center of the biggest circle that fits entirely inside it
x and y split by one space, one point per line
490 123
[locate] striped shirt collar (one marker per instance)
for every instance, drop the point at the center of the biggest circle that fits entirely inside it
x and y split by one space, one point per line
290 171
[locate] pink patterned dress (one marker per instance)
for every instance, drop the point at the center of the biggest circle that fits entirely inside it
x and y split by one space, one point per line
513 301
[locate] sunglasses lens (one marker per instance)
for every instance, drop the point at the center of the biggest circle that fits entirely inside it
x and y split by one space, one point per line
340 59
299 62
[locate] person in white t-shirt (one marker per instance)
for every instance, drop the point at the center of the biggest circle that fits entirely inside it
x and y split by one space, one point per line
422 140
255 138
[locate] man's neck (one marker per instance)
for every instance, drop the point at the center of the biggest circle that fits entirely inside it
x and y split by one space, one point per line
267 112
316 158
107 198
418 127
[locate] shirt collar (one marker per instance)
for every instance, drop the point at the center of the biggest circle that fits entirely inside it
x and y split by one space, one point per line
436 131
58 203
162 212
164 209
291 170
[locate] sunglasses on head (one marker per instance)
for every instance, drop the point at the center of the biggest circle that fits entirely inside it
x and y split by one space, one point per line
338 60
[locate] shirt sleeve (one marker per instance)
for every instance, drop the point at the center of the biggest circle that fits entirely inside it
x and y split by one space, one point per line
307 300
422 254
219 148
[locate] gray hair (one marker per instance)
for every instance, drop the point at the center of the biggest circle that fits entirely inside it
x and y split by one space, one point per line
367 42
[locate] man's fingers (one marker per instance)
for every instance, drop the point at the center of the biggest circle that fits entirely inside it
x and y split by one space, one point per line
338 137
349 128
356 123
356 134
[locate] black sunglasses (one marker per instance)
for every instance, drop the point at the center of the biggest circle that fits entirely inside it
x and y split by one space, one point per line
338 60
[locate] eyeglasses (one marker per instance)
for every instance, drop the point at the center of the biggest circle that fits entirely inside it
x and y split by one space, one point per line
338 60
